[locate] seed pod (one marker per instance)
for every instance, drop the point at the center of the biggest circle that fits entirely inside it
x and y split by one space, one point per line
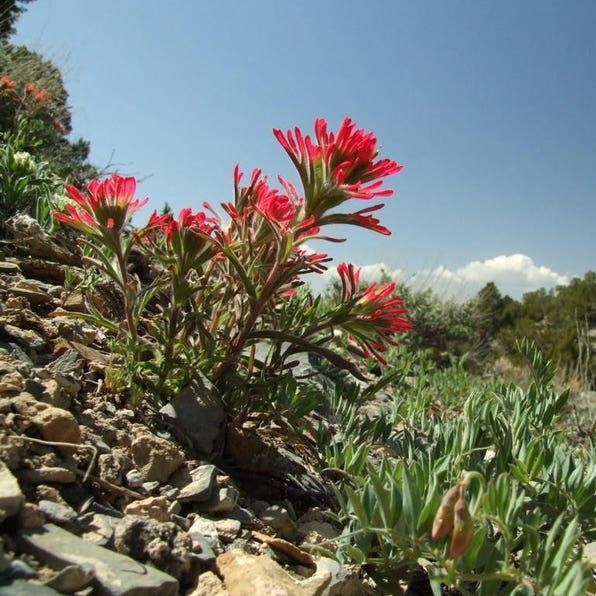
443 521
463 527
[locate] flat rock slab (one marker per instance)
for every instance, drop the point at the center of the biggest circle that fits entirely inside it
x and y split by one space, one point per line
115 574
11 497
21 587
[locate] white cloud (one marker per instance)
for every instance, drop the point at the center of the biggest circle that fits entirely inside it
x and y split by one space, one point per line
513 275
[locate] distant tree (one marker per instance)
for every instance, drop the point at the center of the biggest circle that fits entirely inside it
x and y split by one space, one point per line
40 127
10 10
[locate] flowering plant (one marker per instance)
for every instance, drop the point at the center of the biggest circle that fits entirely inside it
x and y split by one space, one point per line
223 286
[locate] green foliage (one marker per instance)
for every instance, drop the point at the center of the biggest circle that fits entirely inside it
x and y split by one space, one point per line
41 126
27 186
10 11
532 495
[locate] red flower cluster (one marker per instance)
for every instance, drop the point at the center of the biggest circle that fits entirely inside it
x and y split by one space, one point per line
377 312
7 83
106 205
348 157
185 237
39 95
337 167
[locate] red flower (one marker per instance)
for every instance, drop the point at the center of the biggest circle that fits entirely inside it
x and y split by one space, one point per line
273 205
376 313
7 83
336 167
106 207
186 245
41 96
348 157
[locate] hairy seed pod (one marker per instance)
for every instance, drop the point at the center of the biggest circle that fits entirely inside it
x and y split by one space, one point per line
443 521
463 527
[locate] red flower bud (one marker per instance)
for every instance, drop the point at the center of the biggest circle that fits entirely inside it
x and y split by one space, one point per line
443 522
463 527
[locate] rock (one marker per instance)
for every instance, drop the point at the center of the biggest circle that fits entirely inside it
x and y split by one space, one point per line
20 587
247 575
11 497
201 487
112 466
8 268
228 529
208 584
67 363
53 475
203 549
34 297
58 513
323 529
53 395
150 487
206 528
24 337
20 570
155 458
72 578
69 385
279 519
31 516
134 478
198 411
164 545
75 301
156 508
115 574
12 382
222 501
56 424
101 529
344 582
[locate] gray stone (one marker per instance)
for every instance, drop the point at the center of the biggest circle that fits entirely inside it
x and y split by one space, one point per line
11 497
343 581
205 528
20 570
222 501
25 338
134 478
58 513
115 574
279 519
201 487
72 578
20 587
100 529
68 363
202 548
198 411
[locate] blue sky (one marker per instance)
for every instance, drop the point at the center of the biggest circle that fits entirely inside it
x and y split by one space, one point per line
491 107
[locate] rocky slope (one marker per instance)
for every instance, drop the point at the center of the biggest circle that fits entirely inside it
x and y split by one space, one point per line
97 497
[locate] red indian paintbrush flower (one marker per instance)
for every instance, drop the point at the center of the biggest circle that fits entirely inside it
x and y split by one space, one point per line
105 207
376 313
7 83
336 167
185 238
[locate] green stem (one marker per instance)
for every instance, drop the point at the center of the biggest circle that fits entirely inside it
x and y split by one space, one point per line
128 298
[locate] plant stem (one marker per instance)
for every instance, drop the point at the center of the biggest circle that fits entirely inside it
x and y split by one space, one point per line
128 299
